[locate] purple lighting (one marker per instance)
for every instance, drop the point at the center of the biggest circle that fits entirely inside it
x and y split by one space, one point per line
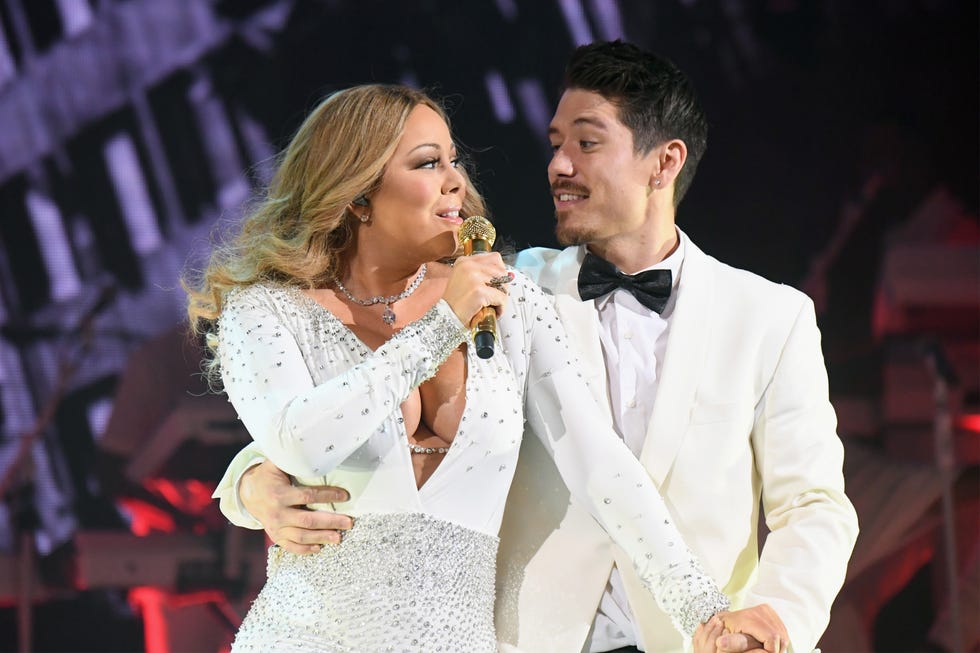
75 16
409 78
608 18
578 26
535 105
51 238
7 67
507 8
131 192
503 108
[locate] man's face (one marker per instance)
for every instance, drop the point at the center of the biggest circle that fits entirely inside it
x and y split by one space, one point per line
598 184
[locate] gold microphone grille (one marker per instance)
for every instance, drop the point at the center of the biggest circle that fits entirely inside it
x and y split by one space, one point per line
476 227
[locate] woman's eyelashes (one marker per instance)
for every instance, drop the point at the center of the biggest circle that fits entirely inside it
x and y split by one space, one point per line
434 162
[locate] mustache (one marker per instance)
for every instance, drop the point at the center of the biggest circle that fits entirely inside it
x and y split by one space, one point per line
571 187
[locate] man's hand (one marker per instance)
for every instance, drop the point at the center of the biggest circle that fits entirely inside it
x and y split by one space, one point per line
738 643
268 495
753 630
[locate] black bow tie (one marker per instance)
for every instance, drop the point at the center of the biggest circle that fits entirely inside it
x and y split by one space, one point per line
599 277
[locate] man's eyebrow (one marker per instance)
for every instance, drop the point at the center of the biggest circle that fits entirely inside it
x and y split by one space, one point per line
595 122
584 120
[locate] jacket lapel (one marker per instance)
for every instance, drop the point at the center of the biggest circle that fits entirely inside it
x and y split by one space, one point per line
581 322
690 328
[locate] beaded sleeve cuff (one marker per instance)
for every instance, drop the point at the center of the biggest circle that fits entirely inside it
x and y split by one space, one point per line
690 598
701 608
438 332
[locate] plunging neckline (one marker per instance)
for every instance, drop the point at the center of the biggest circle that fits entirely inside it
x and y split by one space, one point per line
366 351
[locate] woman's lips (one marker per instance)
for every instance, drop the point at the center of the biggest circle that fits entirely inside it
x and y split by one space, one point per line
451 215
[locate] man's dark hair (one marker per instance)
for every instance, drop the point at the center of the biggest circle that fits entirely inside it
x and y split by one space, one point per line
656 101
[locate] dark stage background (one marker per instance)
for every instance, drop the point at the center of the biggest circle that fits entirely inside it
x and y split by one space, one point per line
842 159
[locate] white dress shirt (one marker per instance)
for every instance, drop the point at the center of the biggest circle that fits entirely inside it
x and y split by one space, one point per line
634 339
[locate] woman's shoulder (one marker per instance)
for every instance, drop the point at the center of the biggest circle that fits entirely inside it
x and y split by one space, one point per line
259 297
247 295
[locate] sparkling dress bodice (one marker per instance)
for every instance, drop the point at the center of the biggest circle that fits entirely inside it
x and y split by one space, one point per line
325 408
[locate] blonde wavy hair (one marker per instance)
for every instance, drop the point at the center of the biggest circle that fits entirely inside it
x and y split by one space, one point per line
299 232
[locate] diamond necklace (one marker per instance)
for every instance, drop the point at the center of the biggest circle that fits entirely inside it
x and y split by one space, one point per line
388 315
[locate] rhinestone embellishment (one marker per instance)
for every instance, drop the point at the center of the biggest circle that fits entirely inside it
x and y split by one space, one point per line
397 582
388 315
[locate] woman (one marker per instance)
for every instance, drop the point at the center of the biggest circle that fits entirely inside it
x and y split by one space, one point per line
342 342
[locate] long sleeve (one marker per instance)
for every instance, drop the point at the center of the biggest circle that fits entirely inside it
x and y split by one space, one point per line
604 475
308 429
813 525
229 501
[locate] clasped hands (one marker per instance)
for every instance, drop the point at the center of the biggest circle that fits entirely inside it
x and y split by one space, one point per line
751 630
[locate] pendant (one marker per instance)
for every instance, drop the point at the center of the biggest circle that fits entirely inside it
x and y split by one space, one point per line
388 316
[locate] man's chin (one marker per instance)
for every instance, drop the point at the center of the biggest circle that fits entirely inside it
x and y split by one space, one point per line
567 235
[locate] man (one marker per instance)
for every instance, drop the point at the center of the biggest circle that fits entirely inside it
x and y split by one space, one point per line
719 389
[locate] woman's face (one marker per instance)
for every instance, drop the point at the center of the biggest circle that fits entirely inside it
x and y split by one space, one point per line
422 191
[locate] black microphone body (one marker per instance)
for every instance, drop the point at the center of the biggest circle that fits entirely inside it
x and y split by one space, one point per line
477 236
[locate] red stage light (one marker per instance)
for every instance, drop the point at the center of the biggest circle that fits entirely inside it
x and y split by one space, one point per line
969 423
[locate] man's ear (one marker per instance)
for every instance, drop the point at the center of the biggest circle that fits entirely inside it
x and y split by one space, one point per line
671 157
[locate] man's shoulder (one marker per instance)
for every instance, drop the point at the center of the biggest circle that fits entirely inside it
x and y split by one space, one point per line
535 257
543 265
751 288
756 283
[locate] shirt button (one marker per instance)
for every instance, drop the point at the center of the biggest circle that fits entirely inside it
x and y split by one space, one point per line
628 335
631 403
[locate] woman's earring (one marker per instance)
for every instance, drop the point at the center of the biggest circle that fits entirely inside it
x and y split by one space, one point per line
361 200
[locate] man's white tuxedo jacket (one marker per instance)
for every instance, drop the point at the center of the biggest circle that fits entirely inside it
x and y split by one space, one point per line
741 412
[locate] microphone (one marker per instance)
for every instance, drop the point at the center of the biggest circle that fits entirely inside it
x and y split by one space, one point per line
477 235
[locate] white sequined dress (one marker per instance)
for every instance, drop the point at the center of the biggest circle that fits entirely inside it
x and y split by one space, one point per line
416 573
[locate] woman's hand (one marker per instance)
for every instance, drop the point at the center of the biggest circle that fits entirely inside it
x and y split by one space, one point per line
468 290
706 635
